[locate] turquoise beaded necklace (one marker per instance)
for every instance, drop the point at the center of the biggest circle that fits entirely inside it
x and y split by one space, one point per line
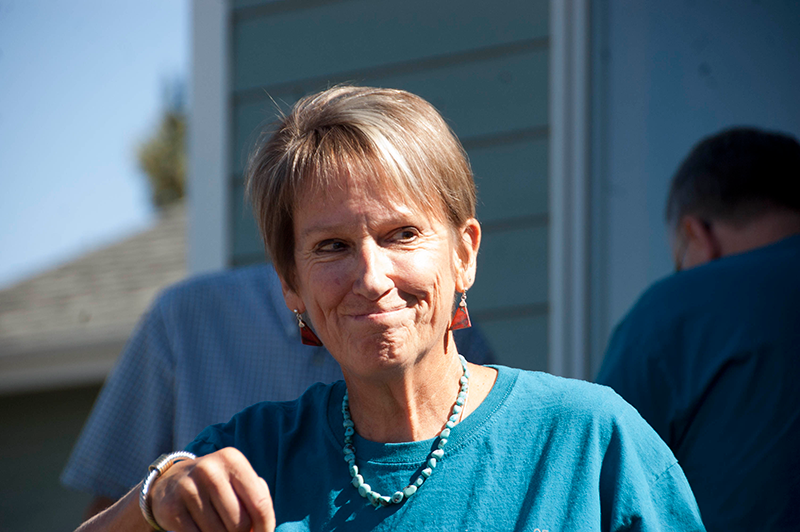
349 450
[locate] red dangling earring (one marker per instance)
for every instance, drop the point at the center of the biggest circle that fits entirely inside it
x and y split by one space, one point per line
307 336
461 317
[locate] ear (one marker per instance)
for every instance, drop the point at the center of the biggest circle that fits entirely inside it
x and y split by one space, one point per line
469 241
702 244
292 299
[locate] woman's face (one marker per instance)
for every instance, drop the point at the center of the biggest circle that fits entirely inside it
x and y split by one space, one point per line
376 275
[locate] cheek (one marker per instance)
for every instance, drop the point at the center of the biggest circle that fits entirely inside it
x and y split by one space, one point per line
430 275
320 286
328 282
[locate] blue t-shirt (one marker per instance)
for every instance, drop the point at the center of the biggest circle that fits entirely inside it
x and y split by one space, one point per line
541 453
711 359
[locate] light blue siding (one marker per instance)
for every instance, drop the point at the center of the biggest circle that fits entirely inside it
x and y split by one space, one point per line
331 38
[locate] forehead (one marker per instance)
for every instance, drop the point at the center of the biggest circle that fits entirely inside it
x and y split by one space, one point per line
361 187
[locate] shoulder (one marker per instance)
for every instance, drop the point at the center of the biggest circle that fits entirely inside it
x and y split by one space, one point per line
250 294
280 420
254 287
553 392
745 274
665 298
651 327
711 297
583 427
259 277
282 416
587 412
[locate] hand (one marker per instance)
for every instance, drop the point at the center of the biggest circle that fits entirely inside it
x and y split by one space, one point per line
220 491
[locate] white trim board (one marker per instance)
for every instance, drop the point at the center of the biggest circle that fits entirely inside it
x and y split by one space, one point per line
570 193
209 134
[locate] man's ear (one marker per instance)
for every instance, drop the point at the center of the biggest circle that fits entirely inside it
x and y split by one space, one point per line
467 254
702 243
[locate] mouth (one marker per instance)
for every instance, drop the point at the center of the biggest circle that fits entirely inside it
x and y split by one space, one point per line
377 315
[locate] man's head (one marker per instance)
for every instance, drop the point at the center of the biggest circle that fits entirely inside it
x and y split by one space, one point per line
735 191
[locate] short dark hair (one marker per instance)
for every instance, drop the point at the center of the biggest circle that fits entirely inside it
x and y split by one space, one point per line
737 175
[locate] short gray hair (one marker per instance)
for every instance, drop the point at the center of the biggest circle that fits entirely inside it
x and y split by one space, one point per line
391 138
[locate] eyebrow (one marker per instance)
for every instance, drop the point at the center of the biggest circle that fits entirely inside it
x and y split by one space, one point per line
321 228
402 216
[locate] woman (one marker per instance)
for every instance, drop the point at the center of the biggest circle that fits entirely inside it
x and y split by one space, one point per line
366 203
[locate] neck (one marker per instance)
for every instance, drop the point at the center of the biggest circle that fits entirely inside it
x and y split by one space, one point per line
757 233
412 405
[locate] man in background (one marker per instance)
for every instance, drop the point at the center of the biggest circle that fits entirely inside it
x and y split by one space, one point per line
207 348
710 356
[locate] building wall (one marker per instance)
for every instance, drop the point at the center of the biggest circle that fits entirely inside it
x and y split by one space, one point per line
485 69
670 73
38 432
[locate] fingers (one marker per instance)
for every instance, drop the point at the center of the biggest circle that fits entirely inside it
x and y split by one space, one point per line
254 494
246 499
204 513
183 522
228 506
220 491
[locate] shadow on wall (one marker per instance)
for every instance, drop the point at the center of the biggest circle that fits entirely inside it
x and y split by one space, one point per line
38 432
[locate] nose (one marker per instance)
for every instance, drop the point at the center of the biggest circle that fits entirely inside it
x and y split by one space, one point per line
373 276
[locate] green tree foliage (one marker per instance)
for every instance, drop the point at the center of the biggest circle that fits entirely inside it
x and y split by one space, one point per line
163 157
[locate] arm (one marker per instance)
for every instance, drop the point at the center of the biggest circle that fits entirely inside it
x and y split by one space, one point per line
633 367
131 421
642 486
124 516
97 505
220 491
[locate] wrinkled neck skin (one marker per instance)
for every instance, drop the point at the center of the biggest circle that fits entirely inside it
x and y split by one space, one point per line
413 403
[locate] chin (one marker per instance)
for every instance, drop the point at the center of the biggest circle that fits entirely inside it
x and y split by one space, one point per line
381 350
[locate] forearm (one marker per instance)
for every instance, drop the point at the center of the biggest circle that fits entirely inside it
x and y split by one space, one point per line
97 505
122 516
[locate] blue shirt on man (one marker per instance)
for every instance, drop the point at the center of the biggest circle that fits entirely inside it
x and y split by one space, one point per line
711 359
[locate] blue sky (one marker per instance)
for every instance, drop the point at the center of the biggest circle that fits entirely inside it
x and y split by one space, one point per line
80 88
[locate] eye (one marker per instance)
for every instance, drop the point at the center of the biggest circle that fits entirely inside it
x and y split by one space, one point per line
405 235
330 246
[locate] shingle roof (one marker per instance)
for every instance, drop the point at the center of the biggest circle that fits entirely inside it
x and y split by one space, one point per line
67 325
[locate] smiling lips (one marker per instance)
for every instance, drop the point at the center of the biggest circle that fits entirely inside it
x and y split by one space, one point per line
375 313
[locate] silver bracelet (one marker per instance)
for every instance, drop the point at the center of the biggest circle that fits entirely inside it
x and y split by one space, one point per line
156 469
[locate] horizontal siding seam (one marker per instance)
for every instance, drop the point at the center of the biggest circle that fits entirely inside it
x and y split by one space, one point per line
504 313
520 222
255 94
267 9
505 137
